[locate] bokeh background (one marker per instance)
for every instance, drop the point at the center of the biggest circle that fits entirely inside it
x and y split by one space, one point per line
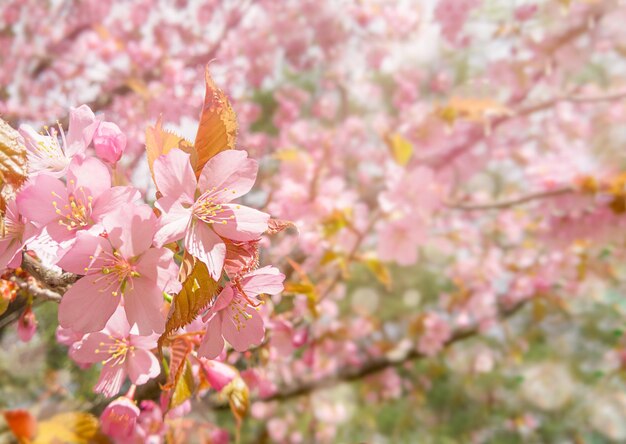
454 169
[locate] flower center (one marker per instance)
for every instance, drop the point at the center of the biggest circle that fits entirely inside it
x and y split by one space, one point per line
116 350
117 271
76 213
209 210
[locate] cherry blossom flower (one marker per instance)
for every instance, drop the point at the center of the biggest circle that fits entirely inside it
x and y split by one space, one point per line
65 209
436 332
234 317
47 155
121 353
109 142
206 221
119 418
121 265
399 240
15 233
27 325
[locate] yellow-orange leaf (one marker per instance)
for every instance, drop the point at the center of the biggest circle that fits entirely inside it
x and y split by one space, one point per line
217 130
184 386
400 148
197 292
74 427
380 271
13 169
160 141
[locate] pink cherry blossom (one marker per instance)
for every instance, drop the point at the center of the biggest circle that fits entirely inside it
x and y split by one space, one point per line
65 209
109 142
47 155
218 373
436 332
234 317
120 265
26 325
122 354
15 234
207 221
119 418
399 240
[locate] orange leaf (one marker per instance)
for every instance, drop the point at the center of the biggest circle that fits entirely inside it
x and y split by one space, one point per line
218 124
22 424
160 141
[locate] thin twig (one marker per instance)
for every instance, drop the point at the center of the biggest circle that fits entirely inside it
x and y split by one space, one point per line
512 202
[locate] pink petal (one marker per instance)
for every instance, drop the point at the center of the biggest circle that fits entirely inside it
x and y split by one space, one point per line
154 265
85 308
35 200
230 173
113 199
146 342
268 280
9 249
85 255
243 333
142 366
81 129
118 326
248 224
212 343
90 350
142 302
131 229
89 174
221 302
111 379
172 223
202 243
174 176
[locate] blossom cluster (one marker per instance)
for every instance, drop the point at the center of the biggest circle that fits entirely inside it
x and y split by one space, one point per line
74 215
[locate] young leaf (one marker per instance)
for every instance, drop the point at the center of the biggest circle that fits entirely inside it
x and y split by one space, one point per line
218 124
184 387
160 141
197 292
400 148
74 427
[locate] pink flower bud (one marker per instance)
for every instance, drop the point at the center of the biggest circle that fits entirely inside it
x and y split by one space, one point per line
110 142
27 325
218 374
119 418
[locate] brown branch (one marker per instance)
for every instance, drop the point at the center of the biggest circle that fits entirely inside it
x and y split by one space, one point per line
510 203
49 278
36 291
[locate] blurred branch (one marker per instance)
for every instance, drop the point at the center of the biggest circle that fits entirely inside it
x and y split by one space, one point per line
372 367
510 203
